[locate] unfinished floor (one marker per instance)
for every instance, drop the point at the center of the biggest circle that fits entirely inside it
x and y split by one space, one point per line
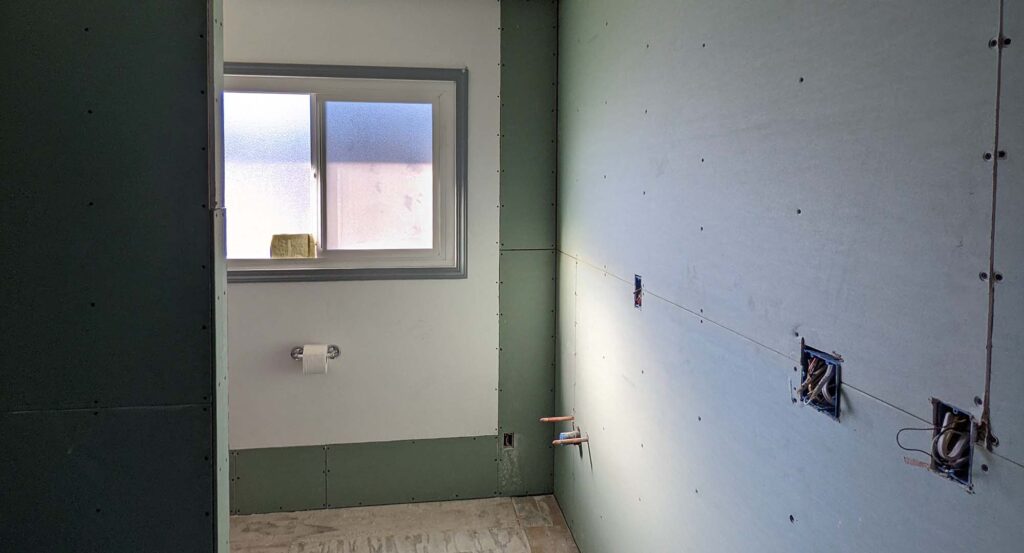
499 525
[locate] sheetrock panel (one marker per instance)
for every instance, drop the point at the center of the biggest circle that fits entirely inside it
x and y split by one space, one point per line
131 479
527 376
278 479
1008 324
529 41
411 471
565 373
690 422
408 347
796 170
105 221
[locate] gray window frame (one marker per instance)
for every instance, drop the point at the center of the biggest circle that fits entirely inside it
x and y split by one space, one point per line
460 78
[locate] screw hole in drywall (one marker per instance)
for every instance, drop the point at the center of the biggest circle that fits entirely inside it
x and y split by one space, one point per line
1001 154
992 43
983 275
977 400
999 277
799 211
801 79
987 156
984 468
792 519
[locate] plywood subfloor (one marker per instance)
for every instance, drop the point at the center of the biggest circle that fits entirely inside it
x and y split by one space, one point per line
499 525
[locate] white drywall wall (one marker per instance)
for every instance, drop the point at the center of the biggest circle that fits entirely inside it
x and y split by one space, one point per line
691 133
418 358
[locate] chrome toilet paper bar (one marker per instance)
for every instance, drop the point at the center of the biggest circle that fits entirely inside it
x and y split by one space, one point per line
332 352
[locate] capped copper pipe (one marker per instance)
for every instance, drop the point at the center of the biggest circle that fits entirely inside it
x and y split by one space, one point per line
558 419
570 441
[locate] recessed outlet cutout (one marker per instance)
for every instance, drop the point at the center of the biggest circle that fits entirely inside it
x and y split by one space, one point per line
509 440
821 380
638 291
953 435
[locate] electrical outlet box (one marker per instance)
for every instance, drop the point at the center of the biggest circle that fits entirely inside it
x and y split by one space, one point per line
953 437
638 291
821 380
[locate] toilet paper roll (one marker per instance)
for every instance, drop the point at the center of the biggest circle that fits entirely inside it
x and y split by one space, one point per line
314 359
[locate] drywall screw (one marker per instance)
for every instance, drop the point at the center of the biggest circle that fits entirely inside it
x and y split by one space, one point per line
987 156
1001 154
992 43
983 275
998 277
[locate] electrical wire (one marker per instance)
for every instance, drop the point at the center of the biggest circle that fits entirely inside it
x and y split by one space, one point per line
901 446
818 377
946 465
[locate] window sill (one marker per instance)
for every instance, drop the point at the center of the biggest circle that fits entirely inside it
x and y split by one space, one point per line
334 274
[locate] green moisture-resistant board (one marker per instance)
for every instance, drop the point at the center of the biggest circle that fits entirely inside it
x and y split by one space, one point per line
129 479
529 63
410 471
108 388
529 41
278 479
374 473
105 228
527 360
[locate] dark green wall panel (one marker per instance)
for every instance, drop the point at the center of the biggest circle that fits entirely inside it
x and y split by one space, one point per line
529 42
133 479
107 393
278 479
410 471
529 62
374 473
527 358
105 185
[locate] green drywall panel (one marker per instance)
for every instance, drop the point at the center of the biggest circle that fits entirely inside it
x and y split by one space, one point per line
130 479
411 471
526 380
529 40
105 223
278 479
108 442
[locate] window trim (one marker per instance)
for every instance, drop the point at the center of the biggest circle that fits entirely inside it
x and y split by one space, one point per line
300 273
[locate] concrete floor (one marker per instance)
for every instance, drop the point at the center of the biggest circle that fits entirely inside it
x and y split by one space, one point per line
499 525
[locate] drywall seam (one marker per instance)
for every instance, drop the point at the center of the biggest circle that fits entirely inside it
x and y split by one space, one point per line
649 293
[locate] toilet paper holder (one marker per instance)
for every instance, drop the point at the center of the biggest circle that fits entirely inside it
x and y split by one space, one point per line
332 352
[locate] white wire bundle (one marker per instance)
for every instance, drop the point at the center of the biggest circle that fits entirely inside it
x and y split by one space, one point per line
949 444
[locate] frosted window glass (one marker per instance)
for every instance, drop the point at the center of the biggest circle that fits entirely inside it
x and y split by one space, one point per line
268 183
379 175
